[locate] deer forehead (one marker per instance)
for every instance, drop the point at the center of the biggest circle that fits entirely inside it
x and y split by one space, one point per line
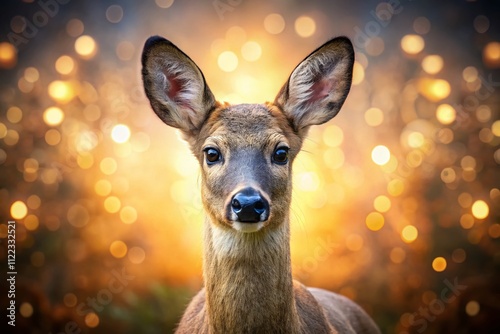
247 125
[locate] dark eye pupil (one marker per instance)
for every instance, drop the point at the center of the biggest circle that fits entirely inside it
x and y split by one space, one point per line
281 155
212 155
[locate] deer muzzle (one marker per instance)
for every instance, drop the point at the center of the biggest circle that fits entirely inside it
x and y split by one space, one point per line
249 206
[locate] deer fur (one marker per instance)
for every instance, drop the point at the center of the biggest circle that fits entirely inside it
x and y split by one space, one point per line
248 285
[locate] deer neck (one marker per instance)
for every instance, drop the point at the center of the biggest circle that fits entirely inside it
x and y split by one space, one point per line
248 281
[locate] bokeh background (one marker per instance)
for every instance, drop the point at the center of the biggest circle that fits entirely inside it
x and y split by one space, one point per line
396 201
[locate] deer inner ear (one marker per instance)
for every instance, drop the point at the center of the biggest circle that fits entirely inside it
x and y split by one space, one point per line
321 89
174 87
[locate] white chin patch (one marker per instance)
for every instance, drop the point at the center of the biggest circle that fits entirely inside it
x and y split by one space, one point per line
247 227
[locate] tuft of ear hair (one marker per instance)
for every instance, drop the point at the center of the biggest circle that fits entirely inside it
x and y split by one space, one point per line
175 86
318 86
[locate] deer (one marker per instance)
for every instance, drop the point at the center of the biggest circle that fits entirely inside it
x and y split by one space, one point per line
245 153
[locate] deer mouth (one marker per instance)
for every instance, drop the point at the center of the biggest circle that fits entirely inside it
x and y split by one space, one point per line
248 227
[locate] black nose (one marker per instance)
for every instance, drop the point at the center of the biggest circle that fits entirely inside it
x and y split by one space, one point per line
250 206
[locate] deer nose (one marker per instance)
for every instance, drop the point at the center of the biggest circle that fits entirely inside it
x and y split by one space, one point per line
249 206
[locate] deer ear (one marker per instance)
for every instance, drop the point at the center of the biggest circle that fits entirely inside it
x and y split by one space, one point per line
319 85
175 86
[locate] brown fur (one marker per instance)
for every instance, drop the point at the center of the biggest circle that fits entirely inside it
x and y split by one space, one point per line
248 279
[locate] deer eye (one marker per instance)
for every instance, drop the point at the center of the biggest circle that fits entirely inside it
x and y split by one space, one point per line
280 155
212 155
